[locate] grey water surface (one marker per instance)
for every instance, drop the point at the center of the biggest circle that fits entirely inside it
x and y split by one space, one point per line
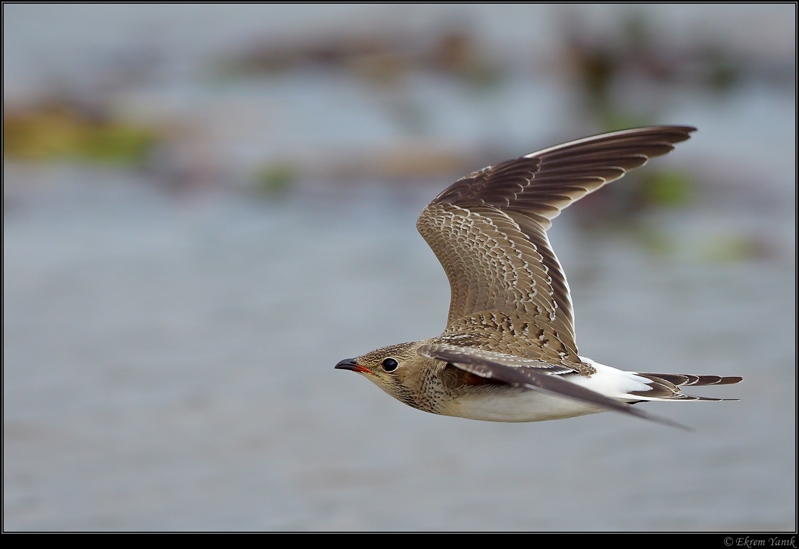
170 366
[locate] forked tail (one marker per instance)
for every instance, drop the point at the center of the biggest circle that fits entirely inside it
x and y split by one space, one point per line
667 386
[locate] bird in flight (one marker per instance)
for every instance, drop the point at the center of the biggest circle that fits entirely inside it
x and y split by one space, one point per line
509 352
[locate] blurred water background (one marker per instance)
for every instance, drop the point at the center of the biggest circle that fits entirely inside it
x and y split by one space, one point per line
206 207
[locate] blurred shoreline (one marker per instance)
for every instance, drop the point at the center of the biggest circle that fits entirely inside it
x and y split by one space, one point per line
389 104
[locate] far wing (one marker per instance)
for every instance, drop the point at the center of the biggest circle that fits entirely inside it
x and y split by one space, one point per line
488 229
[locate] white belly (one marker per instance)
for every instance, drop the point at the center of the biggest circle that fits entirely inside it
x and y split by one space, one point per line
517 404
513 405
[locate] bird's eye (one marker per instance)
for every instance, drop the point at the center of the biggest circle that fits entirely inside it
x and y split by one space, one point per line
389 364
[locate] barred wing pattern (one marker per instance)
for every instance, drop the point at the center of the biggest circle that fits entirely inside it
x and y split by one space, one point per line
488 230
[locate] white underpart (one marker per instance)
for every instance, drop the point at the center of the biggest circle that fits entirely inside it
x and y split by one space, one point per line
612 382
531 405
517 405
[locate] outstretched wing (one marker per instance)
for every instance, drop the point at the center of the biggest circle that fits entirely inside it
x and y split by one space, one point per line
488 229
530 374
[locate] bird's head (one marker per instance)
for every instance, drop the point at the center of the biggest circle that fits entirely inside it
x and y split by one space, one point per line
396 369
